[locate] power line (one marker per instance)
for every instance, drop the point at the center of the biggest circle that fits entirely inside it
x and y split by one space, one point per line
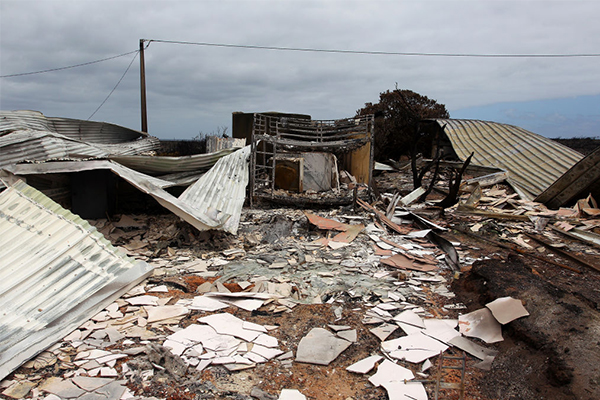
383 53
68 67
111 92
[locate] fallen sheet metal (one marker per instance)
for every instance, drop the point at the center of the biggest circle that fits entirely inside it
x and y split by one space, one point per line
214 202
533 161
222 189
56 272
403 262
29 135
348 232
162 165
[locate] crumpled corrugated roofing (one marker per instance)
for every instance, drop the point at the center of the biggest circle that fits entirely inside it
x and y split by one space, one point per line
532 161
156 165
56 272
223 189
215 201
29 135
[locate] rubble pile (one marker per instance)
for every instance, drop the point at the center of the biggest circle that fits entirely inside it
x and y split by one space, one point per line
365 295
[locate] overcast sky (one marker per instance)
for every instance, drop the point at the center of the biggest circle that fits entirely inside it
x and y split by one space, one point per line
196 88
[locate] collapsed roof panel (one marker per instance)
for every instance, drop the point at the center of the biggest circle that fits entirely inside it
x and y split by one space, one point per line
29 135
56 272
222 189
578 182
157 165
214 202
533 161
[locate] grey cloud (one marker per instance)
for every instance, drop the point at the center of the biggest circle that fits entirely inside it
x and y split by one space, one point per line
193 88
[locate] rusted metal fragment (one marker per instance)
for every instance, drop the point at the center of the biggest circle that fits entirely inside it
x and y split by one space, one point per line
403 262
348 232
395 227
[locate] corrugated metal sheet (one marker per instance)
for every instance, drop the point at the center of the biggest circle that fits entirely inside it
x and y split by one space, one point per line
214 202
222 189
136 178
578 182
533 161
29 135
56 272
86 131
163 165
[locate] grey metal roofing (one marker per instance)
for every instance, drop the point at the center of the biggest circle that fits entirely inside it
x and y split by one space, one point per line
54 167
214 202
222 190
532 161
56 272
163 165
29 135
87 131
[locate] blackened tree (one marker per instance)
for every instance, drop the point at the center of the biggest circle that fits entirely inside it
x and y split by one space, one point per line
397 117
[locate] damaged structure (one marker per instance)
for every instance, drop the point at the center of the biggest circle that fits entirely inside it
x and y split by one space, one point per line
304 156
390 298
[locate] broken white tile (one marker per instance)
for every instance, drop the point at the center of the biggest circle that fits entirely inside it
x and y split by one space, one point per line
286 356
202 365
365 365
206 303
265 352
320 347
61 388
291 394
339 327
266 340
114 335
109 358
480 324
507 309
18 390
426 365
383 331
165 312
108 372
92 354
255 357
228 324
223 360
254 327
399 390
472 348
159 289
417 348
90 384
349 335
162 301
408 329
143 301
389 372
410 317
391 306
175 347
441 329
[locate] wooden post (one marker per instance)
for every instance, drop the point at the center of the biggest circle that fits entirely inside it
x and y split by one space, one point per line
143 88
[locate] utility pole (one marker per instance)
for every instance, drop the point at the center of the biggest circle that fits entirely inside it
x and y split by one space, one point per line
143 88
